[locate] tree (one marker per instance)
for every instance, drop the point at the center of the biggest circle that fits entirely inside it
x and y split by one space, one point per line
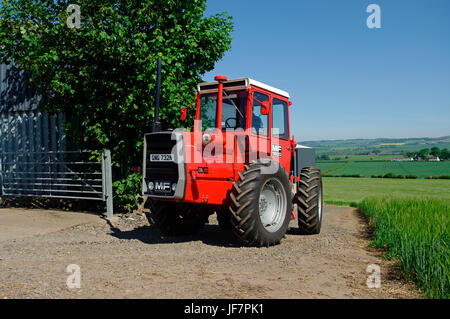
324 157
435 151
104 72
445 154
423 153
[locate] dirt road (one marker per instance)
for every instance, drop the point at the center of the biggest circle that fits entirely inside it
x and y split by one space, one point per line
132 260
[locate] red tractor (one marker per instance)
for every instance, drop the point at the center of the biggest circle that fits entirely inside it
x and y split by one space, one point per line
239 162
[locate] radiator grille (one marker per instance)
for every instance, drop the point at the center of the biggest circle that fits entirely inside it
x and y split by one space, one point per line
158 172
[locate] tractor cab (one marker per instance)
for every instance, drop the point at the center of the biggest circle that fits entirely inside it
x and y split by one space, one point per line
246 107
241 104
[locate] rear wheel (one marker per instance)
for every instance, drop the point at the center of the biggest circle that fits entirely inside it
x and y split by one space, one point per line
261 204
175 219
309 201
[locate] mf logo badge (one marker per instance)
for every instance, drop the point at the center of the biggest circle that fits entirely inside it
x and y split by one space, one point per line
276 150
162 186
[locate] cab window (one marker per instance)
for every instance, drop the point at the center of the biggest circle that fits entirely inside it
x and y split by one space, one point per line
260 123
234 106
280 120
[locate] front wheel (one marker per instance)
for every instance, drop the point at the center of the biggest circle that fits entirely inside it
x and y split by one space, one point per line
261 204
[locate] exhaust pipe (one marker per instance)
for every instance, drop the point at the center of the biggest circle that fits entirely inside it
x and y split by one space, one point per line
156 123
220 79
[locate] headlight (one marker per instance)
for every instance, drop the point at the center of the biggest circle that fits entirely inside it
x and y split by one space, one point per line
151 186
174 186
206 139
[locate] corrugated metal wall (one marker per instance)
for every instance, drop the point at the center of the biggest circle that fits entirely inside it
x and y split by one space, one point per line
24 129
31 131
14 95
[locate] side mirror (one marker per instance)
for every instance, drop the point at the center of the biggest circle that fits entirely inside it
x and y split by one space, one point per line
183 114
265 107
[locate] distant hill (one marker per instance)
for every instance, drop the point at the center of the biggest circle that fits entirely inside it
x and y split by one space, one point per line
381 146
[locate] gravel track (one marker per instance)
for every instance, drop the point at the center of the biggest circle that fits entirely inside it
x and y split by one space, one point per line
131 259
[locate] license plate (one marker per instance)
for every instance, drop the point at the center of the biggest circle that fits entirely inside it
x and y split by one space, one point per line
161 157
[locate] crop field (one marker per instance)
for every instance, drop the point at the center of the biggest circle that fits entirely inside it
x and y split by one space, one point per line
369 168
345 190
416 231
327 165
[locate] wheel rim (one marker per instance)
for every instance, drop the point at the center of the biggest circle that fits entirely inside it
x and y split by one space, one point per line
272 205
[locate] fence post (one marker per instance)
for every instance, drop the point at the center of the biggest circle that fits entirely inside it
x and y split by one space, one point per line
108 184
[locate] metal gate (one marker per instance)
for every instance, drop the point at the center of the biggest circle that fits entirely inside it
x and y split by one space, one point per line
68 174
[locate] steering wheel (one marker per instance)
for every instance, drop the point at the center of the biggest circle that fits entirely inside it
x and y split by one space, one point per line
227 125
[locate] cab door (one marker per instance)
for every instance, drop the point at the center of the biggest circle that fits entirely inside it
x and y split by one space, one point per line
260 132
280 144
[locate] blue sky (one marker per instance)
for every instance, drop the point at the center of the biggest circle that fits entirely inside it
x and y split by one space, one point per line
346 80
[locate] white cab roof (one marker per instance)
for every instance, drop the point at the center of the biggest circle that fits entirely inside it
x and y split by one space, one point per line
248 82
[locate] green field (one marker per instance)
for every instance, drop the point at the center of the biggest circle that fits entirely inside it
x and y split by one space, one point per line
346 190
369 168
417 232
327 165
353 158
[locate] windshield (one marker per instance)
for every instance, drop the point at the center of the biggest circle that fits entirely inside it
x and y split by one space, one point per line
234 105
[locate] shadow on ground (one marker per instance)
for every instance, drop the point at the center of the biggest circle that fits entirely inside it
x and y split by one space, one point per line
211 235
